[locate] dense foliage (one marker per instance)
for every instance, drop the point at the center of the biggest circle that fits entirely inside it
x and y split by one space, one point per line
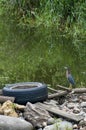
39 37
44 12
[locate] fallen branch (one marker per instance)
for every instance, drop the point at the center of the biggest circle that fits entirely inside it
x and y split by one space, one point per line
57 94
64 88
52 89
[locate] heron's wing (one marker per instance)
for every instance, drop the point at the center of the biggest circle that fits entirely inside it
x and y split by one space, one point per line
71 79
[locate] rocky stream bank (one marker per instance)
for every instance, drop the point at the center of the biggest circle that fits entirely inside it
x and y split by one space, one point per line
67 112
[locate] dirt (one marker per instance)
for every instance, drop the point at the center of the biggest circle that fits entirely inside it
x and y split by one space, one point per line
23 87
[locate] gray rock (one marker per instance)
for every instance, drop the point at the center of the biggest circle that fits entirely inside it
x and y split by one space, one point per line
75 99
82 123
13 123
70 105
84 109
84 128
76 110
75 126
83 104
50 121
83 97
64 125
82 113
39 129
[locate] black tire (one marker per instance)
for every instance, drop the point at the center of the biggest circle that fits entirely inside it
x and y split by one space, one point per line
38 92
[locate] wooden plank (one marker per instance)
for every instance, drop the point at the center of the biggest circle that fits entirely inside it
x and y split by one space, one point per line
57 94
61 113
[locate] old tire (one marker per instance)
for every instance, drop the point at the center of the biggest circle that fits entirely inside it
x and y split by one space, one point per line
34 92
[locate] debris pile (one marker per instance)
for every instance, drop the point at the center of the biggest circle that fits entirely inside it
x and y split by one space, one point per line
66 112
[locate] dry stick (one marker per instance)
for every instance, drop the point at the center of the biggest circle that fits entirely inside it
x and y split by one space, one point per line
57 94
52 89
64 88
5 98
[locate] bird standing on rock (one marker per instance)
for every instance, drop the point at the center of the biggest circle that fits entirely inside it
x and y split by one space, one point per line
69 77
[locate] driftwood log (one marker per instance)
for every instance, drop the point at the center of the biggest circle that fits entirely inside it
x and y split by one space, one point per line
60 113
58 93
55 95
79 90
5 98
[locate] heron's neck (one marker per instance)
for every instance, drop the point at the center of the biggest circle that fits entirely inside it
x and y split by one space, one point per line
67 73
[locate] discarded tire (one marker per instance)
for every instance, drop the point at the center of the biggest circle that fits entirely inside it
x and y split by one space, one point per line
27 91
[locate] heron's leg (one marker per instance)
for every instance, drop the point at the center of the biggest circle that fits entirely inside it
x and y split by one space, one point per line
70 86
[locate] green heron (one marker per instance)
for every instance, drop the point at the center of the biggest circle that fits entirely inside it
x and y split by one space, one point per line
69 77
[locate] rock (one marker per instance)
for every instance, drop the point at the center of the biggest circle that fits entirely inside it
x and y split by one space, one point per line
83 97
50 121
44 124
82 123
84 109
85 119
75 99
83 104
70 105
82 113
76 110
84 128
65 108
39 129
75 126
64 125
13 123
8 109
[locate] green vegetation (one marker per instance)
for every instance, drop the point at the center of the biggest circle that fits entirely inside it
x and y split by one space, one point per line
38 38
48 13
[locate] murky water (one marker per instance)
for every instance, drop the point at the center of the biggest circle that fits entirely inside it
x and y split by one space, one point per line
40 55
